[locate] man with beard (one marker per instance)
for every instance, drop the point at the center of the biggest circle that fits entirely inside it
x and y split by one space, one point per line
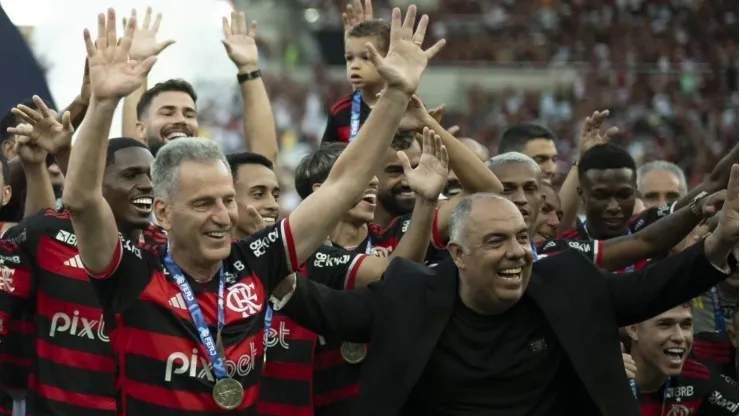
608 189
165 112
660 182
487 330
535 141
548 219
668 381
520 177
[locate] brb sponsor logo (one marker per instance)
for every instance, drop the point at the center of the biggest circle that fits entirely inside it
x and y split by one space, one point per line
243 298
77 325
181 363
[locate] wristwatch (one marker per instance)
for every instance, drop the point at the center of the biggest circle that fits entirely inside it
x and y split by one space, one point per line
248 76
694 205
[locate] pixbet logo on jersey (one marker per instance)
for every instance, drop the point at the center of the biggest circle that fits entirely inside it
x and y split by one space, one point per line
181 363
78 326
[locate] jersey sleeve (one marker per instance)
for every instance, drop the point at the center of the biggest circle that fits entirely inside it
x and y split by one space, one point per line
334 267
130 270
270 253
330 132
722 399
591 249
649 216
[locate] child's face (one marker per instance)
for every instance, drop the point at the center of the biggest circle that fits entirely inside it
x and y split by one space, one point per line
361 73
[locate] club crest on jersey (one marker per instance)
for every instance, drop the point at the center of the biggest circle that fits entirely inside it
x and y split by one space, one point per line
244 298
6 278
678 410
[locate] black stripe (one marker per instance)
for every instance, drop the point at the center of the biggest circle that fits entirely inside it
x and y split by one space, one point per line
74 379
284 391
42 406
299 351
136 407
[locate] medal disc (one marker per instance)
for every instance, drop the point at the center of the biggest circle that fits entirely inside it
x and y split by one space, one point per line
228 393
353 353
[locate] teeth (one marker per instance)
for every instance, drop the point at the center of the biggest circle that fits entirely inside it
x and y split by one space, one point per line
215 234
408 194
176 135
142 201
369 198
512 271
269 220
677 351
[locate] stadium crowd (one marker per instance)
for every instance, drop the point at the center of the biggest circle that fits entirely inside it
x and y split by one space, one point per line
569 252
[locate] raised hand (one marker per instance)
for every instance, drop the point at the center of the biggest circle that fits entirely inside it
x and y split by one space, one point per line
254 221
429 178
402 67
356 14
240 44
42 129
727 229
144 43
28 150
591 134
112 75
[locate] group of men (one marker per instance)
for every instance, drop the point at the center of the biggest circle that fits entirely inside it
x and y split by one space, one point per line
418 276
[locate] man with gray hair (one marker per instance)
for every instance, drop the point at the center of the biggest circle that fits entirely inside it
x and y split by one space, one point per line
187 318
520 175
660 182
486 329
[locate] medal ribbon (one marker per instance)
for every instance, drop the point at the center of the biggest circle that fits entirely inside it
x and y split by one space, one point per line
354 121
369 245
268 324
217 362
534 250
719 315
628 269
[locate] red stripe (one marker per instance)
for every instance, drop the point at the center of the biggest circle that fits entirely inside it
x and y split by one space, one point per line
711 344
15 360
343 133
336 395
182 400
568 234
72 397
19 325
353 271
121 374
694 374
49 306
341 104
74 358
115 259
435 230
291 371
290 244
711 357
695 365
328 359
599 252
279 409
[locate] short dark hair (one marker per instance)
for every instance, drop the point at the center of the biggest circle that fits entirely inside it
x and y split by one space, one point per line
605 156
516 136
12 120
549 185
380 29
403 140
5 168
246 158
177 84
315 167
120 143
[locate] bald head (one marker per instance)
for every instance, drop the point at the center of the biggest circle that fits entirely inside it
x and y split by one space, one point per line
486 207
477 148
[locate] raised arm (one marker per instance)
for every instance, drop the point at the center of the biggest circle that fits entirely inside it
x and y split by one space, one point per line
259 125
640 295
716 181
112 77
317 215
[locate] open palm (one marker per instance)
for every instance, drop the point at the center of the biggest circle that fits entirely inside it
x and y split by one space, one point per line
728 218
144 43
429 177
240 44
112 75
402 67
43 128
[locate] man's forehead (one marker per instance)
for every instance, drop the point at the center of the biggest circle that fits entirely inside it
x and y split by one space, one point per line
605 175
499 214
132 157
515 172
662 175
172 99
254 174
540 146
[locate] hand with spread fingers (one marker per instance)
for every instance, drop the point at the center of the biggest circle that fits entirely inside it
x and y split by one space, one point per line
240 44
429 178
356 14
724 239
591 134
144 43
112 75
42 129
402 67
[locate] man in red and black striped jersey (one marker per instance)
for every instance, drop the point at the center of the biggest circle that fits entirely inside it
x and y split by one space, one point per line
337 376
73 366
718 350
186 324
667 381
608 189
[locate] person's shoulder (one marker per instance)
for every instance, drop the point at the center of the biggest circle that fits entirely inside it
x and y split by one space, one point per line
343 103
693 369
566 258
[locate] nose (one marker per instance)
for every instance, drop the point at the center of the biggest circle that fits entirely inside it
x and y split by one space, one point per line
662 200
374 182
548 168
145 184
613 207
220 215
518 197
515 251
553 220
272 204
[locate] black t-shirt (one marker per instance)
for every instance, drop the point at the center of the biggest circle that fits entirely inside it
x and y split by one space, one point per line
338 125
509 364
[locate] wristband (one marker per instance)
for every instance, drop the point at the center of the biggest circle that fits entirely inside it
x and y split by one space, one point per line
249 76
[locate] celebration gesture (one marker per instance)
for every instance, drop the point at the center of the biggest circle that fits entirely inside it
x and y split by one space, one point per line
41 129
403 65
112 75
254 222
240 44
144 43
727 229
356 14
428 179
591 135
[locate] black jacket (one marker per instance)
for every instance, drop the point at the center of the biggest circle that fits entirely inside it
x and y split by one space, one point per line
405 314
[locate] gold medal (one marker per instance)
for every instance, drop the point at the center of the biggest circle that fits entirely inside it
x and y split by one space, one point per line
228 393
353 353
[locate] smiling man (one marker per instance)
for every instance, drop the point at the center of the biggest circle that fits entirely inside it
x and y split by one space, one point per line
257 186
668 382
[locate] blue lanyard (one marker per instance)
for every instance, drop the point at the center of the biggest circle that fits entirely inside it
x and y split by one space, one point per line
219 369
633 386
534 251
268 324
628 269
369 245
719 315
354 121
